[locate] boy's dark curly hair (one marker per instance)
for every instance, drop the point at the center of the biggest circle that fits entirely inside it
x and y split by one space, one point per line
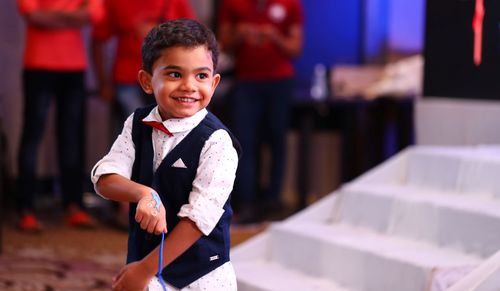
177 33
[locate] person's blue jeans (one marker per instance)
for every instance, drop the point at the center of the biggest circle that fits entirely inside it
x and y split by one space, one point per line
129 97
68 91
261 112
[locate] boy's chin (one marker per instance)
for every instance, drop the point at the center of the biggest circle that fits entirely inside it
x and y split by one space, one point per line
180 113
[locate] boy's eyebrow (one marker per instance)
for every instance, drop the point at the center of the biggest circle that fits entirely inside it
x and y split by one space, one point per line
174 67
170 67
204 69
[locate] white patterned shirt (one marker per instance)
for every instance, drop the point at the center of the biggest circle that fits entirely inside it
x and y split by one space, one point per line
211 186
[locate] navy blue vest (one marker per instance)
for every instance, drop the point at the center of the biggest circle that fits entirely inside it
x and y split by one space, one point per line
174 185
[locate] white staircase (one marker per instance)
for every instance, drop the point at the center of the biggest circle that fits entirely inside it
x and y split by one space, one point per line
424 220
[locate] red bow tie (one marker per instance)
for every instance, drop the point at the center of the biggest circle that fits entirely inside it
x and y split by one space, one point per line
159 126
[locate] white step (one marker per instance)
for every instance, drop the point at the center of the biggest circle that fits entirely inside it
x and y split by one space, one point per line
456 169
486 277
361 259
464 222
434 168
261 275
426 219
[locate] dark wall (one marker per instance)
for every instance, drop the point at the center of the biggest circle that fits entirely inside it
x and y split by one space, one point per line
332 34
449 69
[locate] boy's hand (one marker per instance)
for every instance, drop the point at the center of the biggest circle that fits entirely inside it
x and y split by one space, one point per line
132 277
151 214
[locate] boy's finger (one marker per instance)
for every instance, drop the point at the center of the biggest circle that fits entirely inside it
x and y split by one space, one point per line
160 227
151 226
144 223
138 216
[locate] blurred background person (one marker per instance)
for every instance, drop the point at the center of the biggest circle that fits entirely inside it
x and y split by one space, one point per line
54 66
127 23
263 36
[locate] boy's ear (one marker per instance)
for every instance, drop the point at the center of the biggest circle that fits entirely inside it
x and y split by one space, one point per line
216 81
145 81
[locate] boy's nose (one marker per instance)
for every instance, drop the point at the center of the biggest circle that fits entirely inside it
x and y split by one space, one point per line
188 84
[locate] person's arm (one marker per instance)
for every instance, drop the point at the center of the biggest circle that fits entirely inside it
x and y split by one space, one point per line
230 36
102 30
55 19
290 44
103 78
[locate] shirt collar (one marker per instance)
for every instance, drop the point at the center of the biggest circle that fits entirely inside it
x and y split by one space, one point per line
177 124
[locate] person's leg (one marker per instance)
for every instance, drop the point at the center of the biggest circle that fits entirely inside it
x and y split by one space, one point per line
71 111
37 95
129 97
38 91
279 98
70 135
246 115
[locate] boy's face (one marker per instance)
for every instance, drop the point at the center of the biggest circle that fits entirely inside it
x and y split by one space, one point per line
182 81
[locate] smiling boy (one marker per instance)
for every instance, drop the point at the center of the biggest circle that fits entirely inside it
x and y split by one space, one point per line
175 162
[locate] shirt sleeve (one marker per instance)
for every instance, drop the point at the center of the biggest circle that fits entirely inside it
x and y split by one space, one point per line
27 6
102 28
296 13
96 8
213 182
120 158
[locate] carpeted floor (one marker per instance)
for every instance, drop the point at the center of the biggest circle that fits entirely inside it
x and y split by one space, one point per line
61 258
67 259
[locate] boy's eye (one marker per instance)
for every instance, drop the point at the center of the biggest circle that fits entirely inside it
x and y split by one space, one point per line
202 76
174 74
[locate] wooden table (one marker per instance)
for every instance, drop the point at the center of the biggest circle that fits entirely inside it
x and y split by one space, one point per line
371 131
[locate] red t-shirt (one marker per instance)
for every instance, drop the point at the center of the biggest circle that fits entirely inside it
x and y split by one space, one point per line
56 49
128 21
264 61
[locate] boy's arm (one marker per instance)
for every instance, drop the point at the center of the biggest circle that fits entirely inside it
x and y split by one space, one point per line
183 236
211 189
150 213
219 161
111 178
137 275
118 188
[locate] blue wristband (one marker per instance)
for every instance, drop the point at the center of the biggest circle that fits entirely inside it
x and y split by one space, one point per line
157 200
